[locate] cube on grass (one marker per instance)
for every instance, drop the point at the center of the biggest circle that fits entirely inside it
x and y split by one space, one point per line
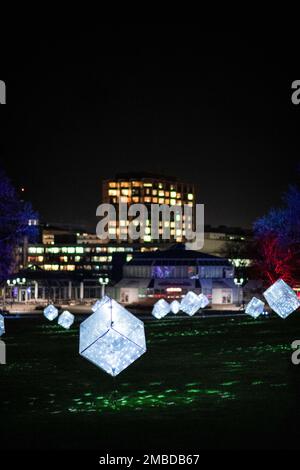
2 325
282 299
191 303
112 338
161 309
255 307
51 312
175 307
66 319
204 301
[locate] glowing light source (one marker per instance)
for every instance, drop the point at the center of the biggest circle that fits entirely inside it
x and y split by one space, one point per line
204 301
66 319
175 307
112 338
2 325
174 289
191 303
161 309
50 312
255 307
282 299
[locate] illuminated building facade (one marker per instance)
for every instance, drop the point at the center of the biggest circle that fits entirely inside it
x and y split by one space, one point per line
148 189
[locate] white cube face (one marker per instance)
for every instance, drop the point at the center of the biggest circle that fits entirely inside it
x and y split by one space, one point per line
161 309
66 319
2 325
99 303
112 338
175 307
282 299
191 303
255 307
204 301
50 312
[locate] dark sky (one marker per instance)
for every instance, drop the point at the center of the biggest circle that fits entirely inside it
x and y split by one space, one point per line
216 114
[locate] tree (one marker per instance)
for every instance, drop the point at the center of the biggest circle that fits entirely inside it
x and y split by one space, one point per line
277 237
15 215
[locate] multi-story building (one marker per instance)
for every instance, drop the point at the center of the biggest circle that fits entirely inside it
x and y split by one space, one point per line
148 189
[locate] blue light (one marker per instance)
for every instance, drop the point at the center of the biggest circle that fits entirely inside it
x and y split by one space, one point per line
2 325
112 338
191 303
282 299
66 319
255 308
161 309
50 312
175 306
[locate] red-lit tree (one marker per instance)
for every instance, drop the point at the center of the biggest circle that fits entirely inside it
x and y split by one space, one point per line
277 237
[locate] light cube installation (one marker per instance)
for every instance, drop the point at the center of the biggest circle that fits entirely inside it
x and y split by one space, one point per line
161 309
175 306
282 299
112 338
50 312
191 303
255 307
204 301
99 303
66 319
2 325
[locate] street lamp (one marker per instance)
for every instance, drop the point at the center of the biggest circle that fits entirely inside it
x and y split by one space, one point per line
103 281
239 282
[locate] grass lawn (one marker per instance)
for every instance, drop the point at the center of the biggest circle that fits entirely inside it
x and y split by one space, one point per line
203 383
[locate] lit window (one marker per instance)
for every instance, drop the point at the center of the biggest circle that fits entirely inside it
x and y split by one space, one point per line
112 231
173 202
71 250
79 249
161 201
161 193
112 185
173 194
125 192
147 185
190 197
124 199
112 192
147 238
147 199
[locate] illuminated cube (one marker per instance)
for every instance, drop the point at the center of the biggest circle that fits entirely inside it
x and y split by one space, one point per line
255 307
282 299
112 338
204 301
175 306
99 303
2 325
191 303
161 309
50 312
66 319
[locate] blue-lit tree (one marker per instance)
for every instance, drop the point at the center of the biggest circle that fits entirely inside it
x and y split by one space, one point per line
15 215
278 240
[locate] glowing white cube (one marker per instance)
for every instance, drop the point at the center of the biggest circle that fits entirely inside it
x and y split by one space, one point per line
66 319
112 338
282 299
161 309
191 303
255 307
99 303
175 306
204 300
2 325
50 312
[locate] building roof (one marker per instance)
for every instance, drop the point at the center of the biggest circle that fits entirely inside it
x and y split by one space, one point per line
176 256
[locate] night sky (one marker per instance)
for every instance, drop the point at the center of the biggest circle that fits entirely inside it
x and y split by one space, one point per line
218 115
